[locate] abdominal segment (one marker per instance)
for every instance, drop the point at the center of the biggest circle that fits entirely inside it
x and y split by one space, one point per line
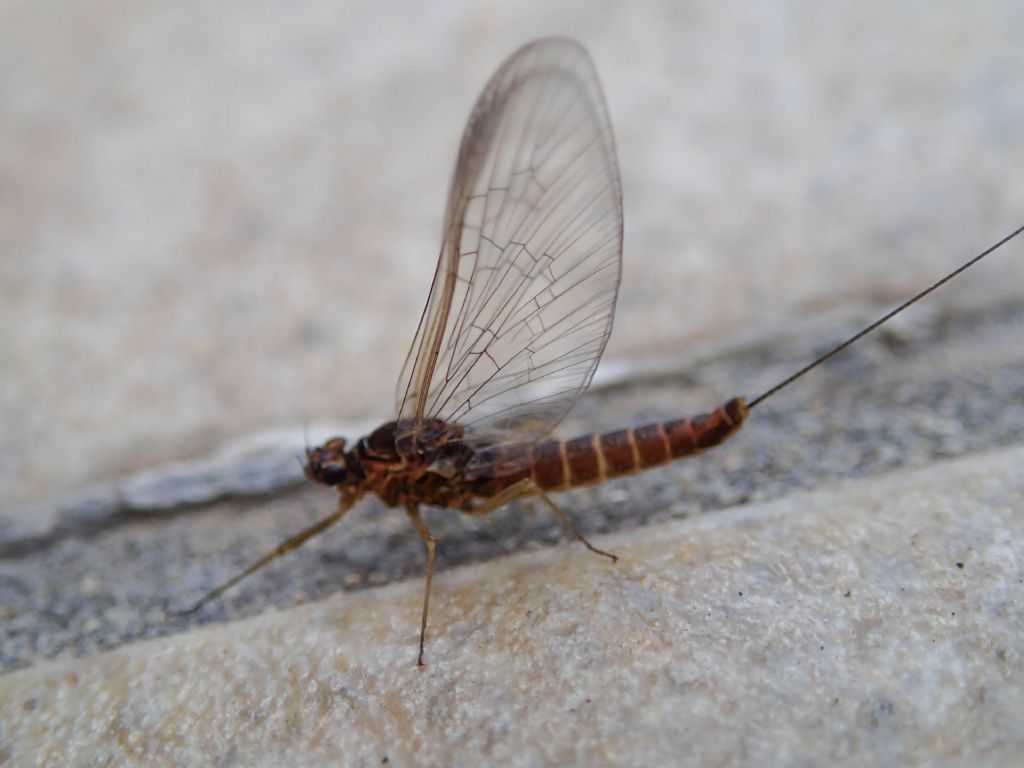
555 465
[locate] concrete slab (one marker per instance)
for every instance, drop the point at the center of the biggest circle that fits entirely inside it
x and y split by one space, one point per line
204 214
874 622
205 209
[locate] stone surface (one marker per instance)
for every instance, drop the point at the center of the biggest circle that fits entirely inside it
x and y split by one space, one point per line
206 209
219 222
871 623
101 570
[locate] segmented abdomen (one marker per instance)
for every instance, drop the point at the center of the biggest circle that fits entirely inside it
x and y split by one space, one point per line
560 464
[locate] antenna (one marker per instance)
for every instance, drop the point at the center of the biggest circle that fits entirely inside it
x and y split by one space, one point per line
880 321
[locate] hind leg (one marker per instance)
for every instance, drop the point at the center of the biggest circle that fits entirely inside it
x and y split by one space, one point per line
527 487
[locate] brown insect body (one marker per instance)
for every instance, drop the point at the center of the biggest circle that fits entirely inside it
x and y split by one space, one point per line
516 320
425 470
437 468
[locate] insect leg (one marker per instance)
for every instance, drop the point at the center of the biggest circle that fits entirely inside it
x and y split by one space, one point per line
283 548
431 542
527 487
565 520
524 487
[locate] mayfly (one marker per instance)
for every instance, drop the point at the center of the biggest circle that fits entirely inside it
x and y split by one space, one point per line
517 318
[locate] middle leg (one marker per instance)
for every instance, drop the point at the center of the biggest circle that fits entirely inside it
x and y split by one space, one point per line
428 538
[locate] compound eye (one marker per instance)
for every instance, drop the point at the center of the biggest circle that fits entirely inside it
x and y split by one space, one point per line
332 474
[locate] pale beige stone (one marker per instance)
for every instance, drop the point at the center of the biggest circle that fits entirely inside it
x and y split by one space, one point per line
219 218
877 622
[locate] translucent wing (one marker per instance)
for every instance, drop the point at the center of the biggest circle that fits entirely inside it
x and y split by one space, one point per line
523 297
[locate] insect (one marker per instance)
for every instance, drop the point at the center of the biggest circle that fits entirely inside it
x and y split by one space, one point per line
517 317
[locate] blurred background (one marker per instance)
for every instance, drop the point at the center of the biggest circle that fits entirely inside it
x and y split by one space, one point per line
220 219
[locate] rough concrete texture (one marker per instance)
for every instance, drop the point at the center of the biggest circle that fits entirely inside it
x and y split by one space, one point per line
101 570
221 218
873 623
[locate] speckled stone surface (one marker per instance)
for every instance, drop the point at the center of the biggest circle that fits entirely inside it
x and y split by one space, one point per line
219 222
101 570
223 218
873 623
